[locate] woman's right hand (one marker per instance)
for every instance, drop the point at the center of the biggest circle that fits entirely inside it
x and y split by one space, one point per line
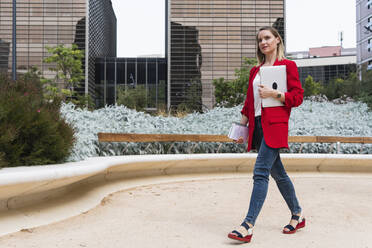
240 140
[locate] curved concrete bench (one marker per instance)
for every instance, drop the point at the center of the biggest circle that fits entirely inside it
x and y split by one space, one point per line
38 195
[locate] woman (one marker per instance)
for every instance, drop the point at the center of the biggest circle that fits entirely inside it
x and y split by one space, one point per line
268 132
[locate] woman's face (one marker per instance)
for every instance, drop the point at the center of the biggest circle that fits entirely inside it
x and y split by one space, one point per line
267 42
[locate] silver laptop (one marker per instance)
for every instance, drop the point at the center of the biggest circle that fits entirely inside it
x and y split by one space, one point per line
274 77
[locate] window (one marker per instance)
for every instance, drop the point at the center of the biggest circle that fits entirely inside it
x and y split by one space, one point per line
369 46
369 2
369 67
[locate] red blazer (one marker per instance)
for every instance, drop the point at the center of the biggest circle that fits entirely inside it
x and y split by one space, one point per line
274 119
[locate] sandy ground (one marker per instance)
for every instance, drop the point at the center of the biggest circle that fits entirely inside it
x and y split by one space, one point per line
201 213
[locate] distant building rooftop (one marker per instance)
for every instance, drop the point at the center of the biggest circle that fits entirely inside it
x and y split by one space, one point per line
320 52
325 51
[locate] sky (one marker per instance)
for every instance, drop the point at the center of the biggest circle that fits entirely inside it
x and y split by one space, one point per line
310 23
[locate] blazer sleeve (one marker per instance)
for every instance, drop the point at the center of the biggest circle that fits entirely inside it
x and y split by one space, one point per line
245 107
295 94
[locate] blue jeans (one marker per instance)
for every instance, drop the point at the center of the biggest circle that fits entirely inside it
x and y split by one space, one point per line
268 162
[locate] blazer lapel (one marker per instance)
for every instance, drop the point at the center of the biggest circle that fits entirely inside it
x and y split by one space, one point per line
277 62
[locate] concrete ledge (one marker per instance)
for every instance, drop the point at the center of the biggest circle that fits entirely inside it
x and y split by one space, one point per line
32 196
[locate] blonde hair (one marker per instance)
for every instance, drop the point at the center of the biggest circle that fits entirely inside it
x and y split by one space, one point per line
280 48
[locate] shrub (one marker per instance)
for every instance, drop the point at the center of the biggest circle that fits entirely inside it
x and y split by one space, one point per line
312 88
366 86
351 86
232 93
228 93
133 98
32 132
192 101
338 87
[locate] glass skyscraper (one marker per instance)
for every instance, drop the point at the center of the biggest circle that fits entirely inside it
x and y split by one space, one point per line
208 40
113 74
205 40
42 23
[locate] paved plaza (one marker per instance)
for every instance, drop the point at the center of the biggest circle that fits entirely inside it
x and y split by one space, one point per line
200 213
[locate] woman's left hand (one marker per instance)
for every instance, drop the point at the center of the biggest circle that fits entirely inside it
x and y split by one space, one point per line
265 91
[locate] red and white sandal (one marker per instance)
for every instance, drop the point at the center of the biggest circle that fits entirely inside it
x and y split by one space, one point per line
243 233
301 224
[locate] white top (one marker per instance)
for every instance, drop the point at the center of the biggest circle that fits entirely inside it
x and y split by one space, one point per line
256 95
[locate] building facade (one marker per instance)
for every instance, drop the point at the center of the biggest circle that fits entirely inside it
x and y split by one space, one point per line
102 37
90 24
117 74
325 63
364 34
208 39
324 69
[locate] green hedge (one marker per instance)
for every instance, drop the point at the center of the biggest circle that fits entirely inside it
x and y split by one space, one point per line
32 131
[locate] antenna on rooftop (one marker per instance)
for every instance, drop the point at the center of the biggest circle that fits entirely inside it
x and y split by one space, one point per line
341 37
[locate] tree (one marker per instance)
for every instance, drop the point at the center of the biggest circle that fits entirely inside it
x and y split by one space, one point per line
67 65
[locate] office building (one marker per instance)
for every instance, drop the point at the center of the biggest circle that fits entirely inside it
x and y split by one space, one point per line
113 74
207 39
325 63
364 34
324 69
4 56
90 24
